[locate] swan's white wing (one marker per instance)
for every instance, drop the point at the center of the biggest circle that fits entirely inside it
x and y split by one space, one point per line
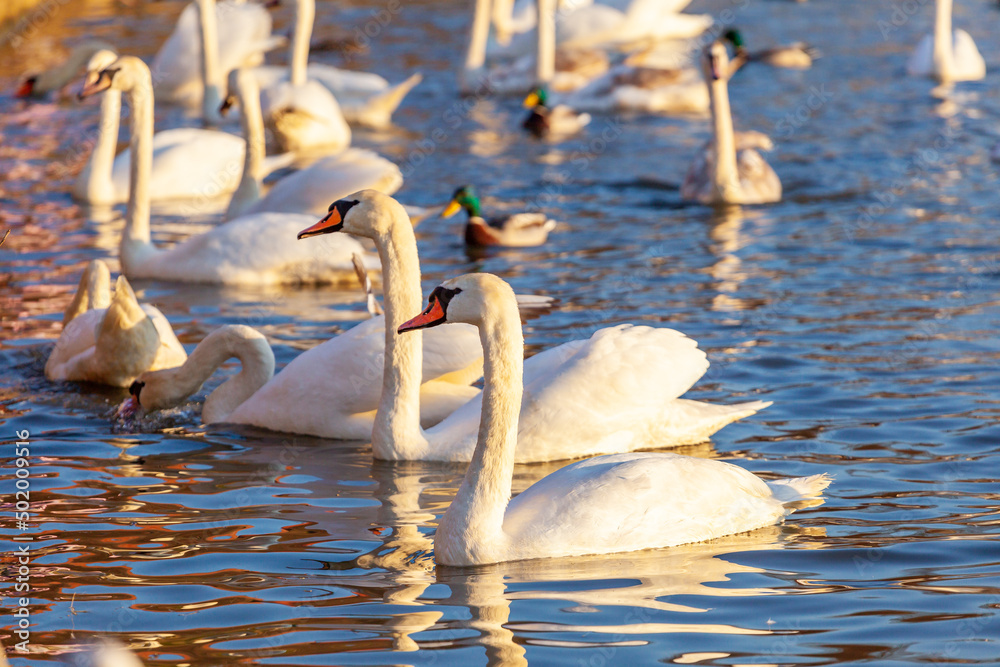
968 62
78 337
304 117
170 353
312 189
609 393
627 502
187 163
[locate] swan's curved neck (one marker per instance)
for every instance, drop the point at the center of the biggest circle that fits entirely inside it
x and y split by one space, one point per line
236 341
252 121
478 509
943 41
136 245
305 13
211 72
94 182
725 179
396 434
546 53
479 33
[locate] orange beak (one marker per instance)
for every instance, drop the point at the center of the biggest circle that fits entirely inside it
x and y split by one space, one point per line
331 223
432 316
26 88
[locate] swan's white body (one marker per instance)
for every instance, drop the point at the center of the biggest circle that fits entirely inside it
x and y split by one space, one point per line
947 55
607 504
255 249
602 25
686 94
111 340
332 390
617 391
242 33
729 170
308 190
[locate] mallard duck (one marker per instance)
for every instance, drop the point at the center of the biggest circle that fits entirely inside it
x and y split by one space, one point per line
520 230
543 121
798 55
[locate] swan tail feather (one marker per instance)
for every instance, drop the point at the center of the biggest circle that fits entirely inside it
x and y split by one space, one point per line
383 105
801 489
690 422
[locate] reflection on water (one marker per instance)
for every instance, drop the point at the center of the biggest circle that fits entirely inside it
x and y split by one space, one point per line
864 305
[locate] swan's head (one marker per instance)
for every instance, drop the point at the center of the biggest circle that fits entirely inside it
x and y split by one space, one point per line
716 62
368 213
241 85
465 299
123 73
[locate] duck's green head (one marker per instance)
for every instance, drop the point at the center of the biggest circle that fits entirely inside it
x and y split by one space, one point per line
537 97
734 37
464 197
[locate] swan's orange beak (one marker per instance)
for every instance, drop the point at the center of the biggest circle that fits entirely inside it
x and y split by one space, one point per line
27 88
331 223
432 316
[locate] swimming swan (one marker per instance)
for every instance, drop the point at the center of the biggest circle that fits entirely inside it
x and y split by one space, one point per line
605 394
946 55
606 504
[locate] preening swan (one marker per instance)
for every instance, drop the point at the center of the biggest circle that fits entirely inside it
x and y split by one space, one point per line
520 230
617 391
257 249
946 55
111 339
159 389
729 170
209 40
187 162
40 85
607 504
308 190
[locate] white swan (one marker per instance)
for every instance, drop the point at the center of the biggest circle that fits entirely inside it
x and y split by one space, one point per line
187 162
308 190
110 340
946 55
729 170
257 249
209 40
617 391
363 98
41 84
607 504
303 115
160 389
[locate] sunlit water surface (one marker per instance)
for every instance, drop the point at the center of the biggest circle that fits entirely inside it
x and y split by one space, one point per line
865 305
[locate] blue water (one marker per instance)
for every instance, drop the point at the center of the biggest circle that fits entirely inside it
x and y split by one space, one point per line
864 305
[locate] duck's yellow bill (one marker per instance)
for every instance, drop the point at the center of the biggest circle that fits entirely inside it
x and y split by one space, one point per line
451 209
531 100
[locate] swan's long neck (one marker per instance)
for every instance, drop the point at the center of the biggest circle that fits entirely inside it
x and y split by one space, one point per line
479 33
94 182
481 502
503 14
396 433
724 177
546 54
305 13
252 121
241 342
211 71
943 41
136 245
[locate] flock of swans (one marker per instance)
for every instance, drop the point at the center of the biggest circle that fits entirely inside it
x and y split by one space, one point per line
600 399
